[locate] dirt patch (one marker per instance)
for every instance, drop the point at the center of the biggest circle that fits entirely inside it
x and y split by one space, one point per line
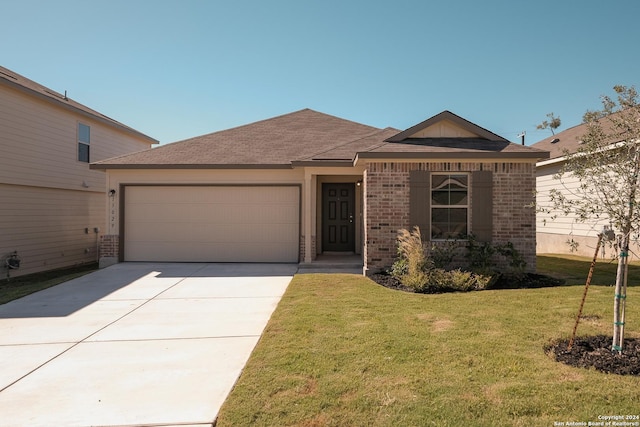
442 325
595 352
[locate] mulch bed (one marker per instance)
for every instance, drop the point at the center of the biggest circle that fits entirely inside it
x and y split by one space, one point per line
388 281
505 281
595 352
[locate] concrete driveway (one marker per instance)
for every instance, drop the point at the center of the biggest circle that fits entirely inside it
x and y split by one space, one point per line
134 344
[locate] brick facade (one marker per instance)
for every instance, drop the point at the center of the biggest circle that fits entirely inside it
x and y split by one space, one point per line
386 209
386 206
109 246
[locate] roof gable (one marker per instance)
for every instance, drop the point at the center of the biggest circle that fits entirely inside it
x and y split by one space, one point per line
446 125
446 136
444 129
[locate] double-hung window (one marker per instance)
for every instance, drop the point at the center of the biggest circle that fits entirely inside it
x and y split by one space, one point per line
452 205
449 205
84 140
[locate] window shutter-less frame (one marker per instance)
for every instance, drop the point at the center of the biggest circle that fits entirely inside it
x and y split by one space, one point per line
482 205
420 202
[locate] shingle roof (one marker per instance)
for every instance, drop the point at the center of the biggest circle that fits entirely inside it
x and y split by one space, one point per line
310 137
469 148
15 80
275 142
351 148
568 140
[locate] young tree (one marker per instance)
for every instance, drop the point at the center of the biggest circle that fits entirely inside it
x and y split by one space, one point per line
552 124
607 165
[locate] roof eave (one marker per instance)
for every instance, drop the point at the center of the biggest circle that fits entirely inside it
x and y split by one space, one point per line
555 160
106 166
76 110
453 155
323 163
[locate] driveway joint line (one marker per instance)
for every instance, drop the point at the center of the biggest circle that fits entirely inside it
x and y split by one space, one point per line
26 344
174 339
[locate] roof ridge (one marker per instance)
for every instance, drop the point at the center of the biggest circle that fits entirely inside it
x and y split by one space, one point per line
241 126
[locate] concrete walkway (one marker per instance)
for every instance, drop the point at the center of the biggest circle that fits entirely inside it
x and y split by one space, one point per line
134 344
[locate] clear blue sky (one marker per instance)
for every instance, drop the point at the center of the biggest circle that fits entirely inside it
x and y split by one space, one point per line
174 69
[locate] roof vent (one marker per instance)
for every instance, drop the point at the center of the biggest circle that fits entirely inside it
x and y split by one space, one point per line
56 94
8 75
555 140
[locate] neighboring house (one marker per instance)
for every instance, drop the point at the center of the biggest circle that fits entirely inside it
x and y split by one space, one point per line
557 232
289 188
52 206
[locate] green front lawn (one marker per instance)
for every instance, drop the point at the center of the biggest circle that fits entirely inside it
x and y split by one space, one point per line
574 269
341 350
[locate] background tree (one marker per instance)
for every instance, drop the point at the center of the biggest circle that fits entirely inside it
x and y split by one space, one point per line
607 165
552 124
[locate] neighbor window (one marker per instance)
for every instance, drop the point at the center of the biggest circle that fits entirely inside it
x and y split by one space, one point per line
84 139
449 205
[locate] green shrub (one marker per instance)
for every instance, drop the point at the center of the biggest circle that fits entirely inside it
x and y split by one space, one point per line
424 271
462 280
516 261
485 281
457 280
443 253
399 268
480 255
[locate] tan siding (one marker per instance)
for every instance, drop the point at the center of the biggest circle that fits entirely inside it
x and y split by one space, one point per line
47 226
39 144
556 222
442 129
48 197
554 234
107 142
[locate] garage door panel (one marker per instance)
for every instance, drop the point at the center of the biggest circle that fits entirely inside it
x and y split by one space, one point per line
214 233
212 252
212 213
212 224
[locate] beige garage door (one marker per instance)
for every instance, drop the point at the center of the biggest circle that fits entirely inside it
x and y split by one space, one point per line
212 223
